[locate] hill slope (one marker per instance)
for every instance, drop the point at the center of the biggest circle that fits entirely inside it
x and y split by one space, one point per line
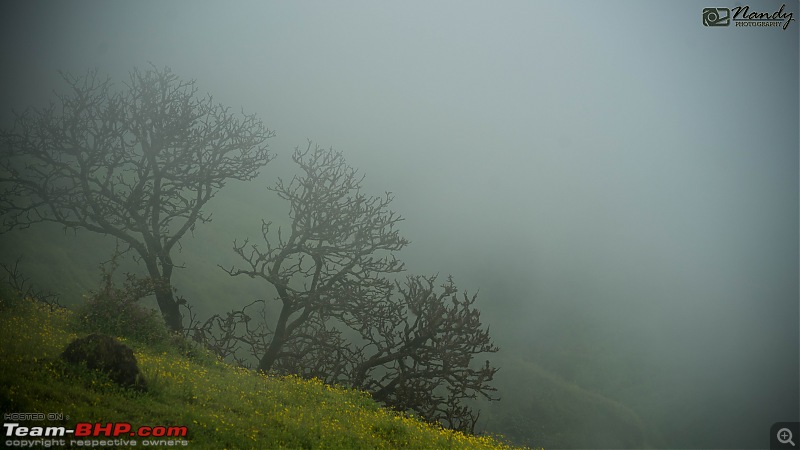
561 414
221 406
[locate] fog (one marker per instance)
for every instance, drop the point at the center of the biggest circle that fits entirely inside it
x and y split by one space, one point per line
614 178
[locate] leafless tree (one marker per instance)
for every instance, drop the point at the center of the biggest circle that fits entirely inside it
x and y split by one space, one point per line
22 286
338 238
416 351
137 164
234 336
342 319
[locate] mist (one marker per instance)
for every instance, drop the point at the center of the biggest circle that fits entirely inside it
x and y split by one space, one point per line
617 181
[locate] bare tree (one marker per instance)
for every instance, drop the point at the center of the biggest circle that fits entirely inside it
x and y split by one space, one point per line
22 286
416 353
342 319
139 164
335 241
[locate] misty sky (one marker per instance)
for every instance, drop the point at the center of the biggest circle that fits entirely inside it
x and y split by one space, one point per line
615 157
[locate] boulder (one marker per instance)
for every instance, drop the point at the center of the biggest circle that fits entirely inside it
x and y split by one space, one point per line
106 354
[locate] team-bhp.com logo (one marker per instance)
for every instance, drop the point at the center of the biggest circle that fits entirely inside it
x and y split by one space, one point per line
743 17
87 434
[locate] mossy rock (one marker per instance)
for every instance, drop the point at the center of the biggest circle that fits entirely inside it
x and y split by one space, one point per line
106 354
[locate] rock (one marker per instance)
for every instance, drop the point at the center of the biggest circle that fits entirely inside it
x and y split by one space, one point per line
106 354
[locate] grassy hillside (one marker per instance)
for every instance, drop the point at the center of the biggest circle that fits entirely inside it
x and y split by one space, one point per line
221 406
560 379
548 411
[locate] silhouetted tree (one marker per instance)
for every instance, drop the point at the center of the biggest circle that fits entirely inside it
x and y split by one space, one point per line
415 352
335 242
342 319
138 164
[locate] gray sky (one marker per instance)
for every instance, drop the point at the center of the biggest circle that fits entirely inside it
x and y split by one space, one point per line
616 157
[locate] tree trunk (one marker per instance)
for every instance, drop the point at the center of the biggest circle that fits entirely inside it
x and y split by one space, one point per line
266 361
166 301
169 308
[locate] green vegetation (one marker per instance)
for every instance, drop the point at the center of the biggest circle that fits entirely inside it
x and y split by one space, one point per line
117 312
222 406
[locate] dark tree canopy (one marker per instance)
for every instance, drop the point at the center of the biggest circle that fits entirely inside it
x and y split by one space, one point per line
137 164
342 318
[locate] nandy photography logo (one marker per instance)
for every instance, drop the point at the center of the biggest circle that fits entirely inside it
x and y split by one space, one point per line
744 17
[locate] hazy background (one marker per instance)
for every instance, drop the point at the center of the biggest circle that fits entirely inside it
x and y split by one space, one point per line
619 181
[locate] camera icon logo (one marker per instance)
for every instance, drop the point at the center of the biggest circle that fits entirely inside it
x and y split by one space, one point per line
716 17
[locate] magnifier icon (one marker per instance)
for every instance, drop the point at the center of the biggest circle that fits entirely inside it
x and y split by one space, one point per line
785 436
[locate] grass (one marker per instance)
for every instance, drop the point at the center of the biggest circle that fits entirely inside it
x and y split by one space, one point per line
222 406
549 411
